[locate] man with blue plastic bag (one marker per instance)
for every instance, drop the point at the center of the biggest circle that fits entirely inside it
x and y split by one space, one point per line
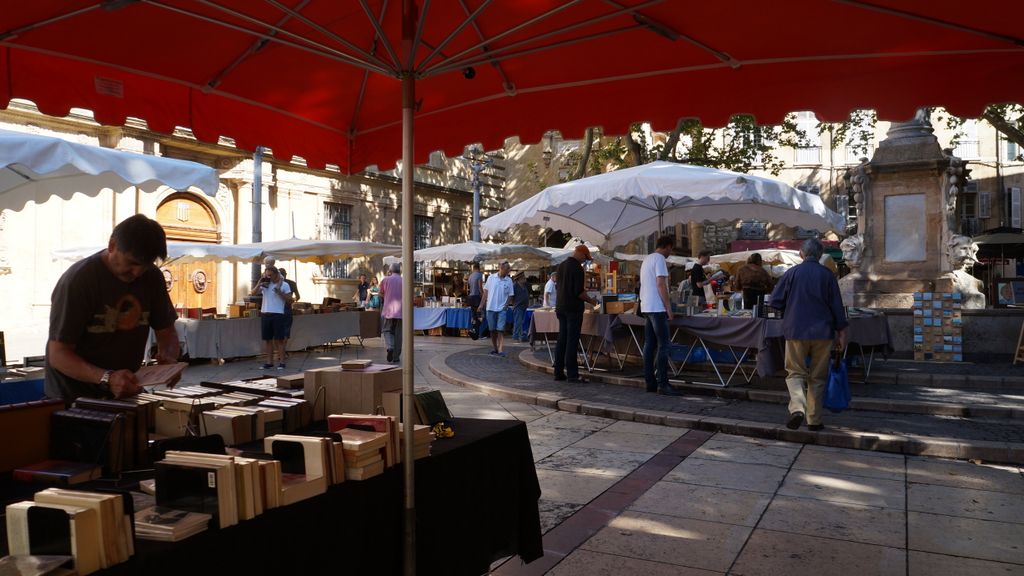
814 322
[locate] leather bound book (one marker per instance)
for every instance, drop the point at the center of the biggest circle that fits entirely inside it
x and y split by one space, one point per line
136 427
88 436
58 472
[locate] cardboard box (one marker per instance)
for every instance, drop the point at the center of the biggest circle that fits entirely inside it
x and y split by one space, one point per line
235 310
312 382
349 391
360 391
618 307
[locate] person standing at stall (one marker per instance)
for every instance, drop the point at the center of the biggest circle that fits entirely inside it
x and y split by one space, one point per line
520 302
814 321
391 294
657 311
752 280
497 295
102 310
572 294
697 277
550 291
362 292
277 296
289 317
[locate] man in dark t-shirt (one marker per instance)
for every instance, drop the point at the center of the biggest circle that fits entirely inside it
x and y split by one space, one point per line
571 296
102 310
697 277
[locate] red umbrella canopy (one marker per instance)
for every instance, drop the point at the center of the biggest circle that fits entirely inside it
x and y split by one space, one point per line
320 78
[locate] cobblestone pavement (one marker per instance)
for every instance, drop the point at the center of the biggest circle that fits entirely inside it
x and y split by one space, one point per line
476 363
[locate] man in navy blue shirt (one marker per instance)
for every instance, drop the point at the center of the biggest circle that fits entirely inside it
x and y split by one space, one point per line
814 322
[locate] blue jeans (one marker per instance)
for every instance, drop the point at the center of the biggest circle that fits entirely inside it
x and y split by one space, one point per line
518 330
657 342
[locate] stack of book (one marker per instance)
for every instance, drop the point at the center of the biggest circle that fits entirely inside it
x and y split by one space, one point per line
357 364
169 525
58 472
364 453
386 425
94 527
305 465
296 413
422 439
197 482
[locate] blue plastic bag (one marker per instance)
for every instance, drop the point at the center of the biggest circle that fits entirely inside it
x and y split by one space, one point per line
837 392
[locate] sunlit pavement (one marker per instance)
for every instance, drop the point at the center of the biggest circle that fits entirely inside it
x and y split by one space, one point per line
630 498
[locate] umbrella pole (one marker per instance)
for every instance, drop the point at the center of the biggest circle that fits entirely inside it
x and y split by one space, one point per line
408 176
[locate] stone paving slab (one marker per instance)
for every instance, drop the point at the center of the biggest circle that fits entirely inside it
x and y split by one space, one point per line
989 439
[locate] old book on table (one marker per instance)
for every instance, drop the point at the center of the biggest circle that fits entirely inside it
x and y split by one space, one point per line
169 525
116 543
89 436
137 427
384 424
365 472
160 374
29 422
197 482
58 472
357 364
53 529
305 465
24 565
431 407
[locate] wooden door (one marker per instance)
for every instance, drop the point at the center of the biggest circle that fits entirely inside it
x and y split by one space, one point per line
186 218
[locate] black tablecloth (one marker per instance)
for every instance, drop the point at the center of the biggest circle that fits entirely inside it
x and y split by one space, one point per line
476 502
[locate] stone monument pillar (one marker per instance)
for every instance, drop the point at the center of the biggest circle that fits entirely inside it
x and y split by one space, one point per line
906 238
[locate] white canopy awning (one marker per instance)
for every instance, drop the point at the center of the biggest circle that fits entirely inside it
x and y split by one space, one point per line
319 251
65 167
480 252
684 261
618 207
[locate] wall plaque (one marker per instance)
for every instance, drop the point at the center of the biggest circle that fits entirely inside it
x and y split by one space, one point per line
905 228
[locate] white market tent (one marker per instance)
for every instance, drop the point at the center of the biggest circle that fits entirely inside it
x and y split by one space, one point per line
31 162
615 208
318 251
684 261
480 252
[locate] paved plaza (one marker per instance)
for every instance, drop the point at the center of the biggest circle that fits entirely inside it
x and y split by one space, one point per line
626 497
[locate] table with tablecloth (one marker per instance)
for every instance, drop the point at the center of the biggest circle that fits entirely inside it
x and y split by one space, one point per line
597 335
739 337
476 502
239 337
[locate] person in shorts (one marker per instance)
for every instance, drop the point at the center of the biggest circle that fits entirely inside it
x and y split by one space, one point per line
277 296
496 296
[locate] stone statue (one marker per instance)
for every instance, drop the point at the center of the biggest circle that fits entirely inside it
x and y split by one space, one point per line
852 247
956 176
962 252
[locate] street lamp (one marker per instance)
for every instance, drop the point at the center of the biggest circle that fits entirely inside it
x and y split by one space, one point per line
478 162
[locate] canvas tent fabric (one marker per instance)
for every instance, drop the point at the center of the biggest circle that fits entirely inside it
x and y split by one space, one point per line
617 207
318 251
479 252
60 166
496 69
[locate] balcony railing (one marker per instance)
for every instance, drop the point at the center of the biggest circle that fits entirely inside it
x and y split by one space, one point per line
808 155
966 149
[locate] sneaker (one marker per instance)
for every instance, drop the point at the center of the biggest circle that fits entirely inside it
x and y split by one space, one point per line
391 354
795 420
493 352
560 378
281 366
502 354
266 367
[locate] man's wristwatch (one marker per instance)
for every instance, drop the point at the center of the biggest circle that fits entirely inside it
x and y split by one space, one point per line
105 381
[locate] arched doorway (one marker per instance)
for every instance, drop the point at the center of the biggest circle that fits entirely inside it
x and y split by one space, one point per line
186 218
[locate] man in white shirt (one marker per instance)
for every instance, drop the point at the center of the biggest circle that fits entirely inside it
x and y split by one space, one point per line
273 323
657 311
550 290
497 294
